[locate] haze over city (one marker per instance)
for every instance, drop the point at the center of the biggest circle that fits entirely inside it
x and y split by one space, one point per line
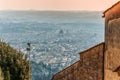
91 5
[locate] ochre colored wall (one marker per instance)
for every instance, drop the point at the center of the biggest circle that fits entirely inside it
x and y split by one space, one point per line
111 14
112 43
112 54
113 34
89 67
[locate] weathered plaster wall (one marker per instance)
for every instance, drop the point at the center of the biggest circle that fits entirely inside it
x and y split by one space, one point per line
89 67
111 14
110 75
113 36
112 54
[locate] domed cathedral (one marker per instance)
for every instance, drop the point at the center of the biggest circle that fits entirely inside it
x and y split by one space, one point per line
101 62
112 42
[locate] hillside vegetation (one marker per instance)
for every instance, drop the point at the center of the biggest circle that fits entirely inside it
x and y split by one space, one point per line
1 75
13 65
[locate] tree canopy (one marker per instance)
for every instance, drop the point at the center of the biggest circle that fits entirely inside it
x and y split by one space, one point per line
12 63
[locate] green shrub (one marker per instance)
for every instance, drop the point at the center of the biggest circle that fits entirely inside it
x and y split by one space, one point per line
12 63
7 75
1 75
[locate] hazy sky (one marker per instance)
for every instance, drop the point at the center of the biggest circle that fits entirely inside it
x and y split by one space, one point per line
56 4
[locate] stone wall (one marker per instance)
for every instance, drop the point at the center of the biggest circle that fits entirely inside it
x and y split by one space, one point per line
112 13
113 34
89 67
69 73
93 62
112 54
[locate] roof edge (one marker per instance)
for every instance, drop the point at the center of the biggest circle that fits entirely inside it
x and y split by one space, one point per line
110 8
67 67
92 48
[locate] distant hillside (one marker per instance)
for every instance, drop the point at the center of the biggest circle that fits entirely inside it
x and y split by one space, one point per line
12 64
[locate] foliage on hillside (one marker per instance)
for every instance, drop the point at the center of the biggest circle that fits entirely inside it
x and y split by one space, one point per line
1 75
12 63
